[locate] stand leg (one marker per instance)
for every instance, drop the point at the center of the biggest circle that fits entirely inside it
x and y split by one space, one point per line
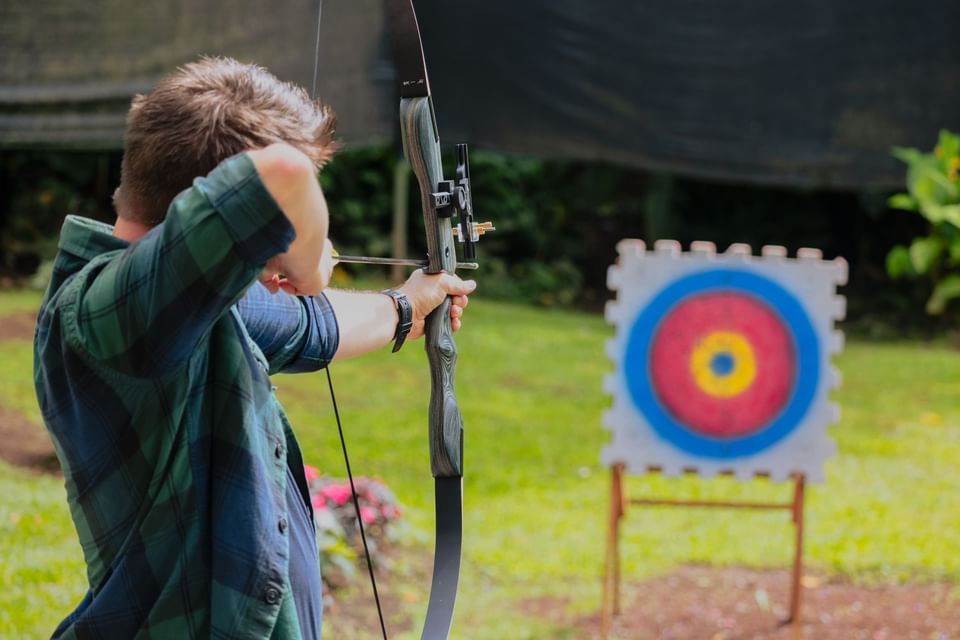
796 586
619 506
611 572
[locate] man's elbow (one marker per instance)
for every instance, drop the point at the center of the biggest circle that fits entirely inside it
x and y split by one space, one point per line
290 177
283 169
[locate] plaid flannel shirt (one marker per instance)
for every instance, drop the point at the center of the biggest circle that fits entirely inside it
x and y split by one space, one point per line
173 447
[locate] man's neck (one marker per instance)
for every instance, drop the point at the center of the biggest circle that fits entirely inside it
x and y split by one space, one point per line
129 230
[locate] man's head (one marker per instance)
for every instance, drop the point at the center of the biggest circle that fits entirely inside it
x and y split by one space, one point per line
202 114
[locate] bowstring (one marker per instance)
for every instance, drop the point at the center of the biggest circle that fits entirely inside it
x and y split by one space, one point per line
356 505
316 51
333 395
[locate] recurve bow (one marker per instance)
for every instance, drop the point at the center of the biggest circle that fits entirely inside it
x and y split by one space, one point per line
441 200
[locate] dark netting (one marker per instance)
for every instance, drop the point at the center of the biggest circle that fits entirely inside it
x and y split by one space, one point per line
69 69
810 92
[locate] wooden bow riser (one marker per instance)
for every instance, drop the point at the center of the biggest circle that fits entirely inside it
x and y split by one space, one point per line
422 149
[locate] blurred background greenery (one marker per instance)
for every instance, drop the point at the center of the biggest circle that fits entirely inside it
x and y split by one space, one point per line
557 224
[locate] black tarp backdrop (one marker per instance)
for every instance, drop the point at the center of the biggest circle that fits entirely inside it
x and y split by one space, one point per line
68 69
808 92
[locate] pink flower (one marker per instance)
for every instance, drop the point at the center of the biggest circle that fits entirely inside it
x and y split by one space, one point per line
368 515
337 492
311 472
319 504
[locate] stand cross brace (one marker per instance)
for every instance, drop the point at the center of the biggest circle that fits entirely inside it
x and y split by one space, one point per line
610 605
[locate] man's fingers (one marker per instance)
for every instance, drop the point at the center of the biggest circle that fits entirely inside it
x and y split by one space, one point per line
426 291
288 288
272 283
454 286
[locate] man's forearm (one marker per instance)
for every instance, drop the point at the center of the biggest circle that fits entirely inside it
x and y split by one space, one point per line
367 321
290 177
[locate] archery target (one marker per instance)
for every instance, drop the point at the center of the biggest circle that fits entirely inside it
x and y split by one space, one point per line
722 363
721 360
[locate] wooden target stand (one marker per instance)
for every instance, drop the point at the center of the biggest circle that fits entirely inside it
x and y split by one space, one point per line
610 605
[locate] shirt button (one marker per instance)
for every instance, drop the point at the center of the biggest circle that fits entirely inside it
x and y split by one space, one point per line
282 525
271 596
278 452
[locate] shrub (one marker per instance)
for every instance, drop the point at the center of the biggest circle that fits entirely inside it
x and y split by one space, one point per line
932 192
338 532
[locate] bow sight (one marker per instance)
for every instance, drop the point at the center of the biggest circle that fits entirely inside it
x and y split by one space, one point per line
454 197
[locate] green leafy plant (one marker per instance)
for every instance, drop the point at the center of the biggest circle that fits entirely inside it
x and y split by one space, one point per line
933 191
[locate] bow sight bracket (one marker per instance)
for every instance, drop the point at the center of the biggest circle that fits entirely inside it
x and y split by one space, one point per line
454 197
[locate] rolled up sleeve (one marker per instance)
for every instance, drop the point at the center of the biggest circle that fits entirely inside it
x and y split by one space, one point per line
295 333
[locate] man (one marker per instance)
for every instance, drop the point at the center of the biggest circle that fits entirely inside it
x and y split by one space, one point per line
153 349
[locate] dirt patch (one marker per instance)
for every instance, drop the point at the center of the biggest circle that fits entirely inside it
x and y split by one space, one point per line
22 442
742 604
18 326
354 616
25 444
350 614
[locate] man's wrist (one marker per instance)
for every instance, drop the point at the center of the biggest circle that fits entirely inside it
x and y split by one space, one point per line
404 317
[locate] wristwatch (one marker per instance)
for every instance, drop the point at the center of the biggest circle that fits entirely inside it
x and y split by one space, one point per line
404 317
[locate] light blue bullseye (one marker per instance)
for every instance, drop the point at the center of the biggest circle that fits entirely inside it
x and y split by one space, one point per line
722 364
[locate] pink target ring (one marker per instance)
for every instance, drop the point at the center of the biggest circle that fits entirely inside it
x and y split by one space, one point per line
722 364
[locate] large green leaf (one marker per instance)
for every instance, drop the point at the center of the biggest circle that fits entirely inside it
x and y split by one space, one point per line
925 253
929 185
945 291
898 263
902 201
907 154
944 213
948 145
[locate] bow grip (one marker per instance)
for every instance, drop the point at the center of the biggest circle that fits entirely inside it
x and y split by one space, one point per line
421 147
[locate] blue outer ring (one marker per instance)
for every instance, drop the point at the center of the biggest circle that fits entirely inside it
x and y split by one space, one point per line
788 309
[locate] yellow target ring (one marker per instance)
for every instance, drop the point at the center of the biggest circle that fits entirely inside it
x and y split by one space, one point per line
723 364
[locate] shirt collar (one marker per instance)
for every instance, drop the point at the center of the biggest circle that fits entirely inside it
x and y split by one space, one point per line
87 238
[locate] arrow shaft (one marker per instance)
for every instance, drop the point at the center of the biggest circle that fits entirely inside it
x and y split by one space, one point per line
404 262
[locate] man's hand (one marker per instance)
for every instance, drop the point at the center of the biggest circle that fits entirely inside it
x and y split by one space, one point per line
426 292
273 278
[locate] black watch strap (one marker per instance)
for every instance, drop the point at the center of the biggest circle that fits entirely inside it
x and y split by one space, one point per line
404 317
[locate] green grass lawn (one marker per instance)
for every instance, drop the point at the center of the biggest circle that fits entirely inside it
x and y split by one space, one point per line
529 383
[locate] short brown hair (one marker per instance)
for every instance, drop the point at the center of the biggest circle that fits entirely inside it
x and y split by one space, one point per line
203 113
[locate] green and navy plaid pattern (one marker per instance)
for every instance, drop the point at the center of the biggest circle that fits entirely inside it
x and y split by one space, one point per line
173 447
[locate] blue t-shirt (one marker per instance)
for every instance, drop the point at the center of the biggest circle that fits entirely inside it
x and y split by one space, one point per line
304 569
